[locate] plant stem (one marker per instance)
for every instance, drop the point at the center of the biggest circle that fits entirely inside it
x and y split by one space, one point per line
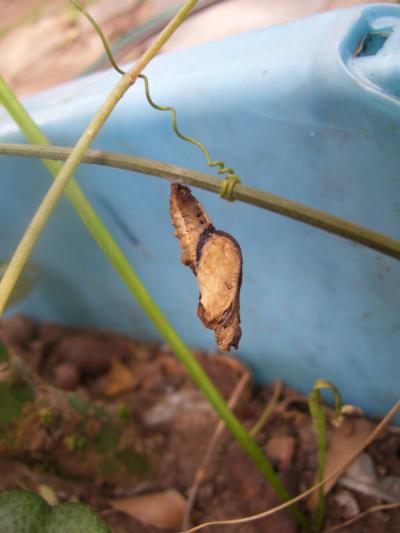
38 222
317 411
268 410
289 208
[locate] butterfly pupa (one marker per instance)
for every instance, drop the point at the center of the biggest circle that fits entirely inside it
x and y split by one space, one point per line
216 260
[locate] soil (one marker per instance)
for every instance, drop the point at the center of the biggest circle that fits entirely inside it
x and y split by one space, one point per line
178 425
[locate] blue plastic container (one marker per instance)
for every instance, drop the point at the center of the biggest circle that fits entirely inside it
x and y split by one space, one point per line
309 110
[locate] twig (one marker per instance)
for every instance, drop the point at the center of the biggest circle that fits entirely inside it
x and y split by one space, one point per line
269 409
309 491
219 430
374 509
250 195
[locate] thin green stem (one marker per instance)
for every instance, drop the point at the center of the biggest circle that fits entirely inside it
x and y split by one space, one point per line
38 222
101 35
268 410
317 411
265 200
231 179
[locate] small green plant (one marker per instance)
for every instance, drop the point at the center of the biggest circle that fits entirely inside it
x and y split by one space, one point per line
317 411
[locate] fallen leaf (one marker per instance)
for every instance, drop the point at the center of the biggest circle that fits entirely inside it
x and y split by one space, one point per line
280 450
48 494
120 378
160 509
343 440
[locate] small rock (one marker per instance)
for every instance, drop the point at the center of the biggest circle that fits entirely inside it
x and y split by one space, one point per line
19 330
174 404
90 353
347 502
66 376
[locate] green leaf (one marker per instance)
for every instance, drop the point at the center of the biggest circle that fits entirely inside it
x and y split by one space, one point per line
23 511
74 518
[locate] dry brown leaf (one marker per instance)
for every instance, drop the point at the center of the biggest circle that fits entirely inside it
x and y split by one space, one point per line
342 443
280 449
119 379
160 509
216 260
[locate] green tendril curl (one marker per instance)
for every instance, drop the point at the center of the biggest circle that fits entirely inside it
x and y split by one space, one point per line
229 182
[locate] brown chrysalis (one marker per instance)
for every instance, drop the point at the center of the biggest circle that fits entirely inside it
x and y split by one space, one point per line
216 260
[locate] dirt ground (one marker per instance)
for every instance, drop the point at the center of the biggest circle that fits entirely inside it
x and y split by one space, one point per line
177 425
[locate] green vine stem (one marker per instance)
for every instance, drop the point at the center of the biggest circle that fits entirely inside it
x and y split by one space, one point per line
250 195
133 282
317 411
231 179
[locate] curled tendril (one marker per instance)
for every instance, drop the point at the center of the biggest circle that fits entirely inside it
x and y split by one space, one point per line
231 179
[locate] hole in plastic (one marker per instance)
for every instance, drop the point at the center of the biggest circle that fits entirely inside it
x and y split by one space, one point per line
371 43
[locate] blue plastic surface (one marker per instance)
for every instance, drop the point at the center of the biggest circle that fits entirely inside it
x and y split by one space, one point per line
308 110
